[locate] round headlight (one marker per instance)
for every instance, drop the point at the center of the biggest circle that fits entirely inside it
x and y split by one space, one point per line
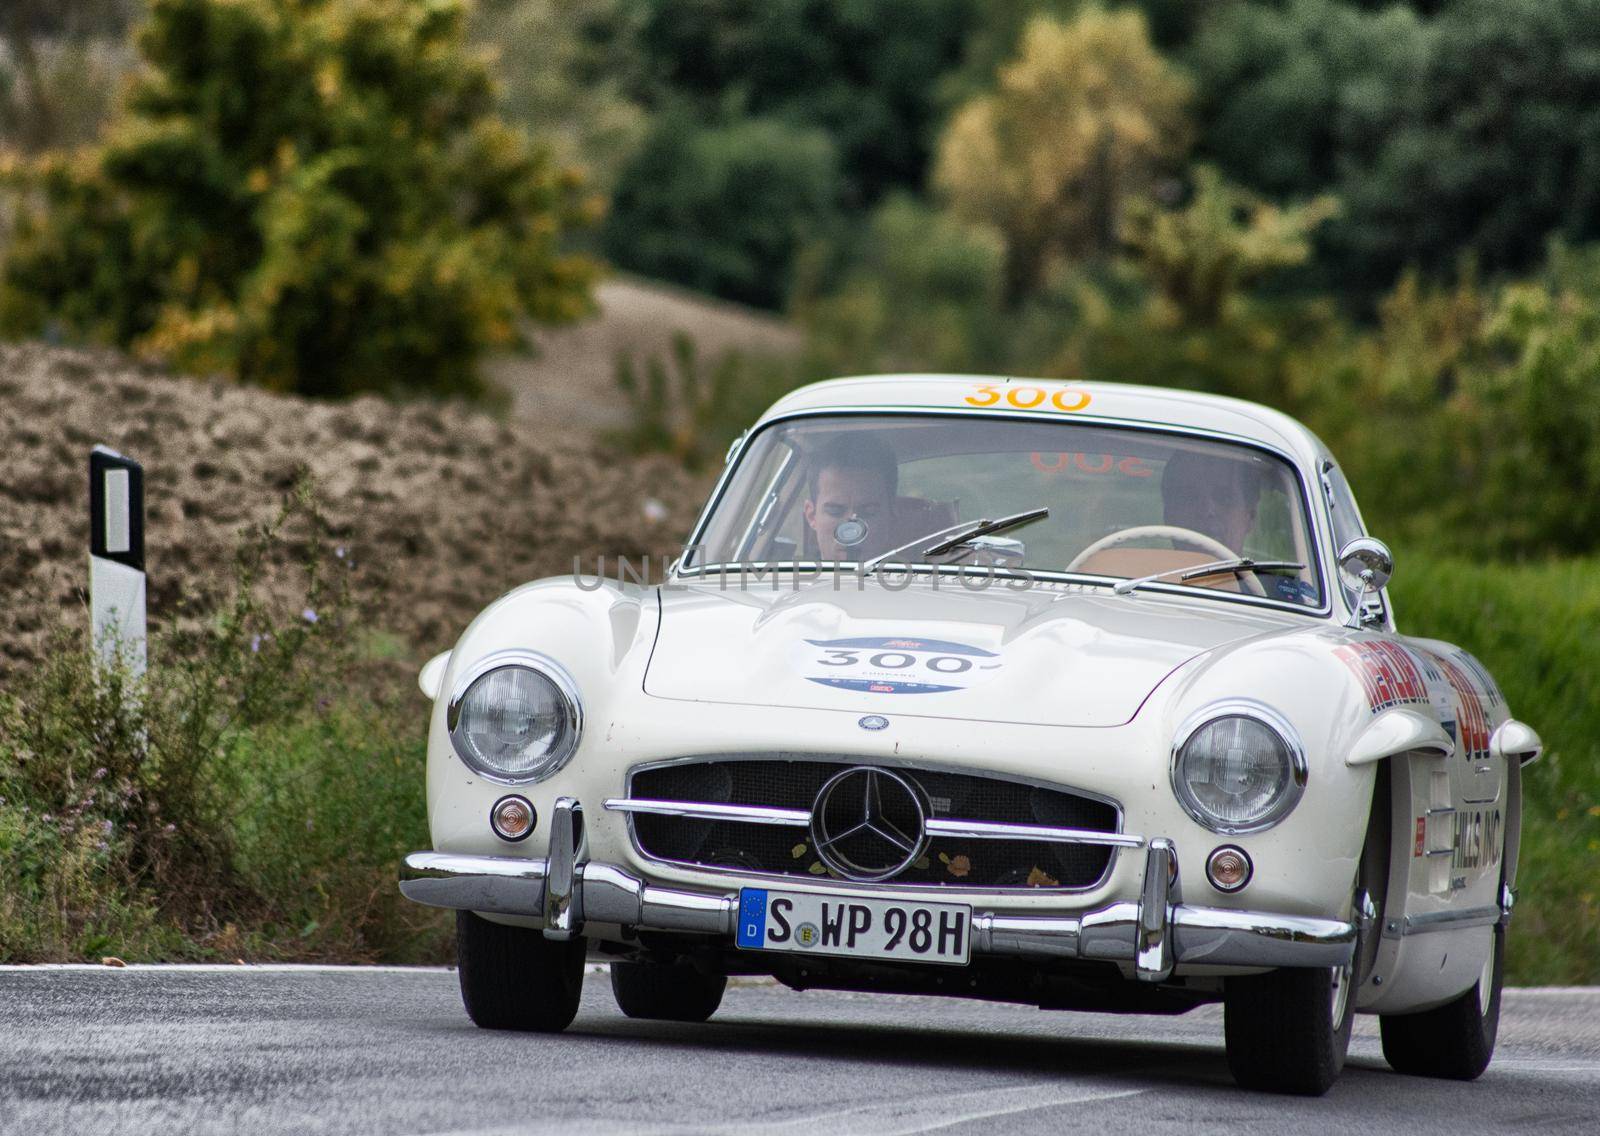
516 719
1237 768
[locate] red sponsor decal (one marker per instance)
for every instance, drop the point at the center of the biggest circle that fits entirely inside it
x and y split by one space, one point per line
1472 724
1422 836
1388 673
903 644
1090 463
881 688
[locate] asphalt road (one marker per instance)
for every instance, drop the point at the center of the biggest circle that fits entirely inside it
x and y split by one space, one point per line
253 1050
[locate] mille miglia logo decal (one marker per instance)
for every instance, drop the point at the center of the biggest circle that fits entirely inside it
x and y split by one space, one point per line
1388 674
896 664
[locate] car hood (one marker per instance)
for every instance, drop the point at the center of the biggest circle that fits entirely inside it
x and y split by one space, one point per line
1049 655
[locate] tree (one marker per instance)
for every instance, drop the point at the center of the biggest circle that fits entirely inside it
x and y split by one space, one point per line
723 209
59 65
865 72
1204 256
1082 121
1471 129
1499 149
569 69
1292 95
314 195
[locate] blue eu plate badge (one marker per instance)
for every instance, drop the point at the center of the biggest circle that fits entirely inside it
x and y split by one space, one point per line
752 916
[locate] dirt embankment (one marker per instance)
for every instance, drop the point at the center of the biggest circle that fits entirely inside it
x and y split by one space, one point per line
440 508
570 383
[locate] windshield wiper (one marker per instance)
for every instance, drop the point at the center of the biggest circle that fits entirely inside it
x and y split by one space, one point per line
1215 568
953 536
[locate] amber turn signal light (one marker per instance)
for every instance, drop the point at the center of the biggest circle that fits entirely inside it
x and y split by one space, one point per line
512 818
1228 868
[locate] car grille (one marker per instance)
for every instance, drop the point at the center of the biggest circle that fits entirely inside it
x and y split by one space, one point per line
793 783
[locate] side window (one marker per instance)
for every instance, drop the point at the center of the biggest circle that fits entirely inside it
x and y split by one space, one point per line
1346 517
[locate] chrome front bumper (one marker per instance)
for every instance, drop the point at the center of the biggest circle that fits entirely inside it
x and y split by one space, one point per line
1154 934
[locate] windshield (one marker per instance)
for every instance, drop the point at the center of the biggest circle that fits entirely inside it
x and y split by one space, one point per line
1123 503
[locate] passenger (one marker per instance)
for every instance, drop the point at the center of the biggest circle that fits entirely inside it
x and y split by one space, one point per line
1213 495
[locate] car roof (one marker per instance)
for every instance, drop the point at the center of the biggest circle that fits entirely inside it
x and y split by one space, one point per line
1057 398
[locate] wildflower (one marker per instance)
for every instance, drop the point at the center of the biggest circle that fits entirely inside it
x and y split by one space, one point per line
102 846
99 774
255 644
106 826
339 552
308 615
169 829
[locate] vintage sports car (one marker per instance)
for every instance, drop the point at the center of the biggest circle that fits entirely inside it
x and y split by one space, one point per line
1087 697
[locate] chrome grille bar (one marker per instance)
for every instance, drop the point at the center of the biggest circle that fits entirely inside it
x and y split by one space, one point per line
1045 834
702 810
801 818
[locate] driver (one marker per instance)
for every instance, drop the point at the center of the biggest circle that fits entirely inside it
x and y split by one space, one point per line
852 485
1210 494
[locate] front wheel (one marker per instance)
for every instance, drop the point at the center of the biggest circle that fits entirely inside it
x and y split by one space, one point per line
1455 1040
1288 1030
513 978
666 992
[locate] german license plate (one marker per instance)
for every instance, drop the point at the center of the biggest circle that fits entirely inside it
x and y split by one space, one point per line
854 926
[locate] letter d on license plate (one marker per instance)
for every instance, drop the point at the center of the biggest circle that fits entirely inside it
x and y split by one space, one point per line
854 926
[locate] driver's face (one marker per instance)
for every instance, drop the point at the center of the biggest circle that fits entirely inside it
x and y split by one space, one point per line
1223 508
846 493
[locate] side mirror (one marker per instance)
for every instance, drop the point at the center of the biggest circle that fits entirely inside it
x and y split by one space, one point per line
1365 566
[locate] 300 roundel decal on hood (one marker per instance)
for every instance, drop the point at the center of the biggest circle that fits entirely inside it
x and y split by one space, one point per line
1039 656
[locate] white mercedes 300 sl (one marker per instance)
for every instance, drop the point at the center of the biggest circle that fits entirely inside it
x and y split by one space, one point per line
1082 696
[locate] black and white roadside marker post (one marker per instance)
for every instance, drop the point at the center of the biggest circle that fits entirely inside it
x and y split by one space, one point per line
116 559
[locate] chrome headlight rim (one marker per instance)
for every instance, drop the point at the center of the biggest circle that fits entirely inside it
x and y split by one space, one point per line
559 677
1267 716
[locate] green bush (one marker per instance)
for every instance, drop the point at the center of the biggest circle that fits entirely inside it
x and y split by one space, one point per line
693 409
724 209
313 195
921 290
1470 419
1533 627
250 795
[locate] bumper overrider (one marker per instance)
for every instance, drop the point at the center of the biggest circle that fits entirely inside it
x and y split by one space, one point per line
1155 933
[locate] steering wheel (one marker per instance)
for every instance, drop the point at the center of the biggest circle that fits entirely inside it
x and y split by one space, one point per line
1198 541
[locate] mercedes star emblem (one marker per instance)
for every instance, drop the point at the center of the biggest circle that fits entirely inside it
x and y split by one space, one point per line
869 824
873 722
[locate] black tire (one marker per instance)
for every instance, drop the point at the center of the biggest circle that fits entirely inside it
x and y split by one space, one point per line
1281 1033
666 992
513 978
1454 1041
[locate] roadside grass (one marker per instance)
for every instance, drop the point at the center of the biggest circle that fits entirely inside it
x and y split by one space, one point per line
249 798
1536 627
